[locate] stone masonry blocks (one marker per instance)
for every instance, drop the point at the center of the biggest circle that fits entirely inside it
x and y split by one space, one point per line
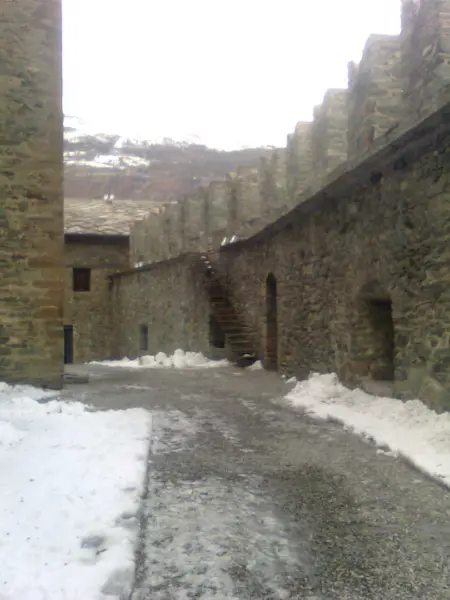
218 212
329 136
425 56
375 96
195 224
31 193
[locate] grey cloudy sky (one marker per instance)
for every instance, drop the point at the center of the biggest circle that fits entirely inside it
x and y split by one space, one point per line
236 72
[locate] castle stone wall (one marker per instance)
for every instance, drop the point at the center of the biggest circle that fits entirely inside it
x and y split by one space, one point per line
89 312
218 212
195 222
273 181
172 230
169 299
31 193
358 251
362 277
375 93
145 239
425 56
248 201
298 162
328 136
399 81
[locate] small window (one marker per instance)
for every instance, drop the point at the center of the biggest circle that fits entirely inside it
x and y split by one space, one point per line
216 334
143 333
81 280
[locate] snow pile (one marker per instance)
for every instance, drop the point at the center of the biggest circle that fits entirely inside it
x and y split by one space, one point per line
178 360
70 485
256 366
409 429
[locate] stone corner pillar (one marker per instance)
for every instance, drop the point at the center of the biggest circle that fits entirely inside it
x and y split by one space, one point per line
31 193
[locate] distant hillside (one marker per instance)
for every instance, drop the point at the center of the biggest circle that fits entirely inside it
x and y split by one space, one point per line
162 170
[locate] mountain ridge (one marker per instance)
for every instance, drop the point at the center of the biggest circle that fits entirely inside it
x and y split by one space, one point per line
158 170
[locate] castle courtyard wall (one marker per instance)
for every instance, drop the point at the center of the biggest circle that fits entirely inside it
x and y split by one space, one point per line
168 298
379 233
90 312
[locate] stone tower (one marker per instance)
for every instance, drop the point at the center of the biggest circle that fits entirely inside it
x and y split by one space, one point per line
31 193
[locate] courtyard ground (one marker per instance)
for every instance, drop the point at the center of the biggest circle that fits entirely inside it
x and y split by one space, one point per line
251 498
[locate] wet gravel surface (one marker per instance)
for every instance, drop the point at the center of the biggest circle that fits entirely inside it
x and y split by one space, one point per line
249 498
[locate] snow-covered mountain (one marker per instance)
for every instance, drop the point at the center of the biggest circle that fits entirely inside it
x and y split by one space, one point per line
160 169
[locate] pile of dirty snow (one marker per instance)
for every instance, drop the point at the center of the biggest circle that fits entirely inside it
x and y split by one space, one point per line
70 485
256 366
410 429
178 360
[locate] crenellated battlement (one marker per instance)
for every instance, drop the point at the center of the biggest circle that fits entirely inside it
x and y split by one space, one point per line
399 81
375 93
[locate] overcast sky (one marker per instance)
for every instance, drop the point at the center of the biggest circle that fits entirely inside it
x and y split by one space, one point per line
236 72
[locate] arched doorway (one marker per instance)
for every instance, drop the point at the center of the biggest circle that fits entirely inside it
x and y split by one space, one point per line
373 345
271 350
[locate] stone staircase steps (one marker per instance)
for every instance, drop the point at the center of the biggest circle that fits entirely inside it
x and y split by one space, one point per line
238 335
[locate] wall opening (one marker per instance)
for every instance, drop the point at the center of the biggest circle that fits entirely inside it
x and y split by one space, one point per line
143 338
374 341
271 349
68 344
81 280
216 334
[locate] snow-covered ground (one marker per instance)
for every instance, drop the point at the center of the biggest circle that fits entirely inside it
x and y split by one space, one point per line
408 429
178 360
70 486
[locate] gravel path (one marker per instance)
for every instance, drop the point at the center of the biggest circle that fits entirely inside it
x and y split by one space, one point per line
249 498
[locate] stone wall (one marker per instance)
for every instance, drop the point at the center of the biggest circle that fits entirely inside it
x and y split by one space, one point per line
328 136
362 272
425 56
89 312
399 81
375 100
31 197
350 223
169 299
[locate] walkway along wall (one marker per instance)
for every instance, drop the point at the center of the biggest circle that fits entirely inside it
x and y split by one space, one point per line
31 198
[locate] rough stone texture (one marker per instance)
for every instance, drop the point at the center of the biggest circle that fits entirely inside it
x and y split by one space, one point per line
170 300
248 202
31 198
173 228
298 162
426 56
195 223
358 243
361 262
145 243
328 136
375 98
218 212
400 80
90 312
273 186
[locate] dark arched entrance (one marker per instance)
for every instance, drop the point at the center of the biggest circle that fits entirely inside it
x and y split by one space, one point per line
271 350
373 340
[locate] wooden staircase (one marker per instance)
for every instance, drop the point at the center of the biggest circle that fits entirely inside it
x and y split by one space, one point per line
239 337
